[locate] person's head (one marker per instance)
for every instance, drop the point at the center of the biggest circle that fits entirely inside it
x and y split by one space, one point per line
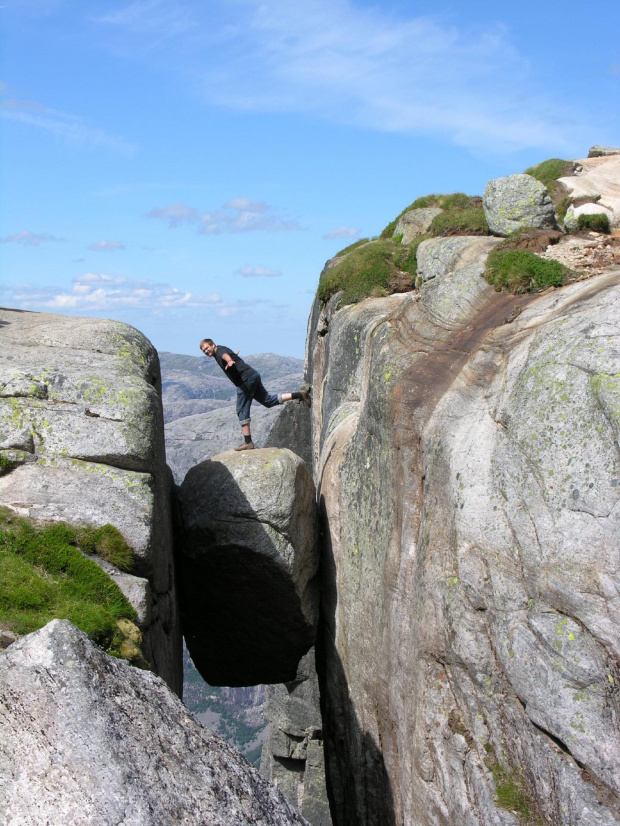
208 346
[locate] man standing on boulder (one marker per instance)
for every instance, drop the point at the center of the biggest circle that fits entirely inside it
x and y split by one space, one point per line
249 387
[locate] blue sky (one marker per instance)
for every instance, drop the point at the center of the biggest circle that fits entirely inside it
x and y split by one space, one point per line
188 167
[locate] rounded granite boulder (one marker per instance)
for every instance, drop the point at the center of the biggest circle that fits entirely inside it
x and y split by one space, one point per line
517 202
415 222
247 559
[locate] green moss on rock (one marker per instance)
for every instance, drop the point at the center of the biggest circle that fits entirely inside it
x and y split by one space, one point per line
377 268
461 221
596 222
522 271
454 203
44 576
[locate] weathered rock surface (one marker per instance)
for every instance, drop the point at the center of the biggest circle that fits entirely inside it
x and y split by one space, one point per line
247 560
515 202
86 739
415 222
459 259
600 151
293 757
469 478
81 420
597 176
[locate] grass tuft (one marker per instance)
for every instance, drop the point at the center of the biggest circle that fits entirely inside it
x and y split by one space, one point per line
462 215
361 271
43 576
549 171
5 464
522 271
375 268
512 792
598 222
460 221
353 246
108 543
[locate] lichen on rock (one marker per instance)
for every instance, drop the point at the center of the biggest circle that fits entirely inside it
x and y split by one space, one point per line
517 201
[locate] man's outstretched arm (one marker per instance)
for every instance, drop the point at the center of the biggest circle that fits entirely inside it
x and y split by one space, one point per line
229 361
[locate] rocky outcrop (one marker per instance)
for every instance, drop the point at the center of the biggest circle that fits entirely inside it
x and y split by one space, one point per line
247 561
86 739
293 757
517 202
469 480
601 151
81 426
415 222
597 180
458 259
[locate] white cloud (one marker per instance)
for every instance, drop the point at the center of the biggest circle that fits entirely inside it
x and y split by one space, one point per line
175 214
106 246
70 128
362 65
341 232
29 239
246 205
258 272
236 215
107 293
248 217
154 17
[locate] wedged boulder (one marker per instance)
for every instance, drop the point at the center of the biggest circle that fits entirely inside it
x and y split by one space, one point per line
247 558
81 425
415 222
86 739
516 202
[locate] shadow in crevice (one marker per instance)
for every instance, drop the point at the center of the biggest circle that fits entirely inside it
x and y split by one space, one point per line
358 785
243 619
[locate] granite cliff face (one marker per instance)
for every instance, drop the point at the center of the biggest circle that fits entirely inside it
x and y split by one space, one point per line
81 428
468 474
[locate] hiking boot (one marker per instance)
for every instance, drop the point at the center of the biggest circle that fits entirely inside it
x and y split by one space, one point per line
306 397
245 446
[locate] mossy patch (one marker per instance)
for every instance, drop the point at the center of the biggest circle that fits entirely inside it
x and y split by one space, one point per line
376 268
522 271
44 576
597 222
351 247
108 543
550 170
6 464
548 173
512 792
461 221
462 215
